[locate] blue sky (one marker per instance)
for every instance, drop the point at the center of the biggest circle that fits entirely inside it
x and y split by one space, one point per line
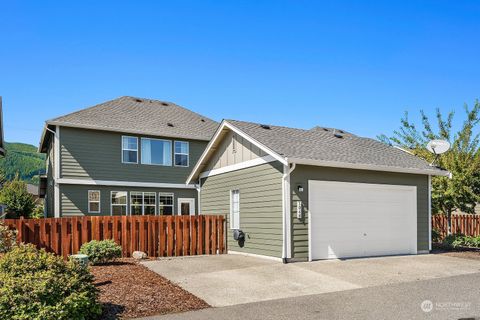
355 65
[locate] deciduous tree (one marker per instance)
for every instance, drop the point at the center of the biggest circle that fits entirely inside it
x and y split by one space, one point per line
462 190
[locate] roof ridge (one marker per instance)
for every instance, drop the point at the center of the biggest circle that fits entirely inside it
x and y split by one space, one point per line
84 109
130 97
271 125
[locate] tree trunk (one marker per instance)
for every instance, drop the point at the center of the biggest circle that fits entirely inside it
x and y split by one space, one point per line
449 222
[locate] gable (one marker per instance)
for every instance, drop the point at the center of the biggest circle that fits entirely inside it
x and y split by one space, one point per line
233 149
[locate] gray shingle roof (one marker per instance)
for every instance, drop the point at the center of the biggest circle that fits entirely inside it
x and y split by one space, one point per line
141 116
321 144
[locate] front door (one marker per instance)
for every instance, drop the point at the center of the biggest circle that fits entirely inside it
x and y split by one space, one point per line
186 206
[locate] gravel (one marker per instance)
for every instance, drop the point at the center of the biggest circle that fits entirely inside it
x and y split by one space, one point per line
129 290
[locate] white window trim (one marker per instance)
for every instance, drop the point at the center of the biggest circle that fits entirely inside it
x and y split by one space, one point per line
118 205
129 200
179 153
99 201
122 149
156 164
231 209
173 201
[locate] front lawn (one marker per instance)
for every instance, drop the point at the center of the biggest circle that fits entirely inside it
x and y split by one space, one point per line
129 290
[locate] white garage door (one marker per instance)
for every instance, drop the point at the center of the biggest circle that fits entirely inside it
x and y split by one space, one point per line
358 219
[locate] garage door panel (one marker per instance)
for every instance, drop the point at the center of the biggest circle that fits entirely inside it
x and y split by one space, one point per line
354 219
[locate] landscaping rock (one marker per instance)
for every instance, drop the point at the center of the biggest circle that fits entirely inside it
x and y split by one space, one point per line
139 255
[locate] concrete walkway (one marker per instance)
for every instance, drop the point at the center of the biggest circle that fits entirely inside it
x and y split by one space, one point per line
227 280
456 297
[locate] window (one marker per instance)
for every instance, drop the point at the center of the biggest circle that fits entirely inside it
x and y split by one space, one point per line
118 203
165 203
155 151
235 209
181 154
136 203
149 203
142 203
129 150
93 201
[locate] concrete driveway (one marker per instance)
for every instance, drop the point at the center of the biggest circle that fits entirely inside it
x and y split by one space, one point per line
226 280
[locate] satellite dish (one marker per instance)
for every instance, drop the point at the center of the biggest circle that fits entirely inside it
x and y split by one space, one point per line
438 146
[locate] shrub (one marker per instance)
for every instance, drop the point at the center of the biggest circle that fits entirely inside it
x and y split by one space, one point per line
436 237
37 212
452 240
99 252
35 284
460 240
7 238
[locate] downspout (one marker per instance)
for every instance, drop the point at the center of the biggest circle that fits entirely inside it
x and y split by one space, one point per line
45 204
199 188
286 210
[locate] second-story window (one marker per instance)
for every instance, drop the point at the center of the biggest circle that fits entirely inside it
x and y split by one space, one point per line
129 149
156 151
181 154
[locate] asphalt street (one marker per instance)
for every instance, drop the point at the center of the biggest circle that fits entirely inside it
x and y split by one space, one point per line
456 297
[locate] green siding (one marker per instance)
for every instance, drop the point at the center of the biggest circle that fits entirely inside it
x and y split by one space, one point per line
302 174
260 206
74 198
92 154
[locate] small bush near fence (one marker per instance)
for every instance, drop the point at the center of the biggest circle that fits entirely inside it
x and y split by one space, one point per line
100 252
35 284
7 238
460 240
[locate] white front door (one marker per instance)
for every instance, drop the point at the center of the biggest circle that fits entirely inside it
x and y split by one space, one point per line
186 206
361 219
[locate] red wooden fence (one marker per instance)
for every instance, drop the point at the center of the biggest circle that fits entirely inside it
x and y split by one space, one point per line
467 224
158 236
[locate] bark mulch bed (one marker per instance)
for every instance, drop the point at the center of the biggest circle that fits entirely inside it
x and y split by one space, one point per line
129 290
465 254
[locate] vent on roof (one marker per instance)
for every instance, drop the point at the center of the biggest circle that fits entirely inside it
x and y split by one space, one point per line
203 120
169 124
165 104
325 129
265 126
337 135
138 100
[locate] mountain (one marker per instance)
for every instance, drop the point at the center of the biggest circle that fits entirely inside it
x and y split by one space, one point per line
24 159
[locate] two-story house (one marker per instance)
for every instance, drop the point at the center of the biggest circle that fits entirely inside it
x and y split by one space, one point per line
128 156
